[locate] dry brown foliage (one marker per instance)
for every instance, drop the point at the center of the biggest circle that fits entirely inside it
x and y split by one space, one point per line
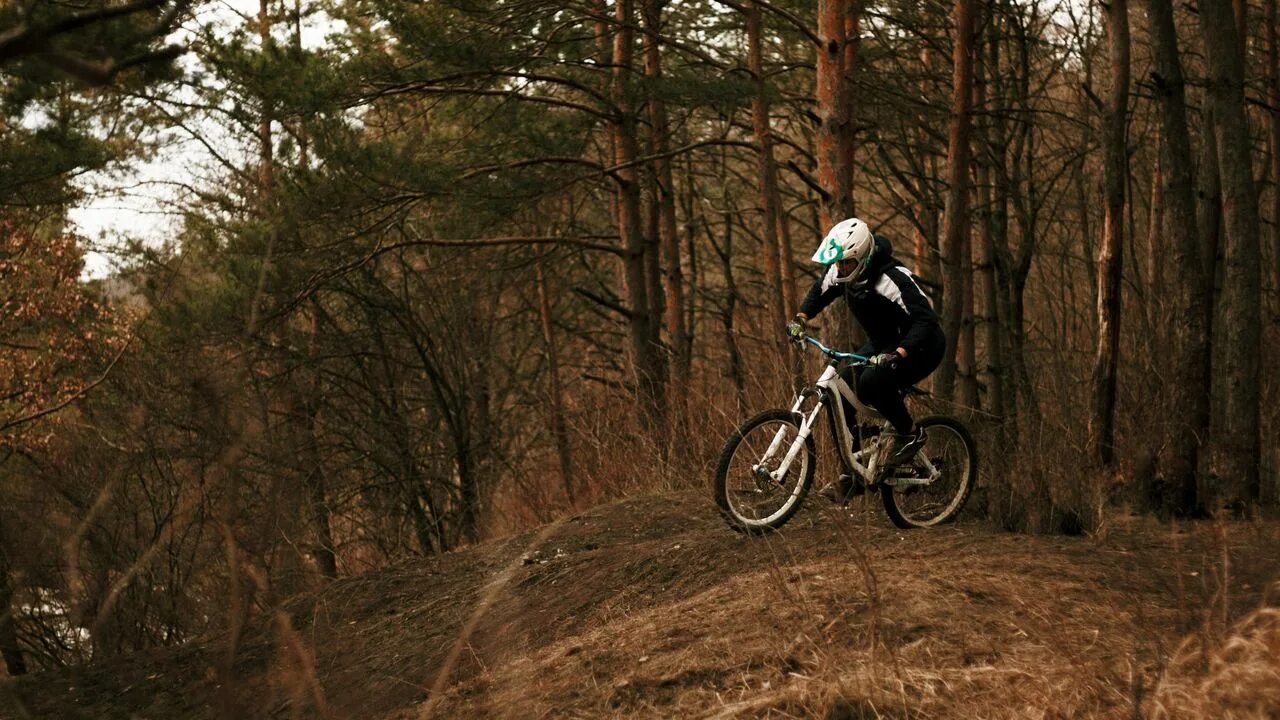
1236 677
649 607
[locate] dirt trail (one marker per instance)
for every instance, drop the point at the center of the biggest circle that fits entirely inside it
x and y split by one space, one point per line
650 607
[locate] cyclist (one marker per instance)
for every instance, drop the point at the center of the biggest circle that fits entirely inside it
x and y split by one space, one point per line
905 339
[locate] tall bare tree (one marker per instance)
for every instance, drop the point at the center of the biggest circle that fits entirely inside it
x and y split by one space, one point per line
1188 389
987 289
1237 440
956 222
1273 96
559 427
664 192
833 114
1111 249
635 249
779 304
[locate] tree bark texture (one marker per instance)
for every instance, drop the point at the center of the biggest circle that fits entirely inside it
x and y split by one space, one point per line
1188 389
1111 250
956 213
266 165
1273 96
833 114
967 360
664 191
1157 250
646 359
724 250
559 427
14 661
1209 221
849 11
834 141
987 289
928 267
324 553
774 260
1237 440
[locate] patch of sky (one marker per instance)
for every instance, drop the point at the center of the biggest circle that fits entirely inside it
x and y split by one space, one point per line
143 201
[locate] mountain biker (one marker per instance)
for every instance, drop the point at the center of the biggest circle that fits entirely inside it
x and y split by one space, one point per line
905 340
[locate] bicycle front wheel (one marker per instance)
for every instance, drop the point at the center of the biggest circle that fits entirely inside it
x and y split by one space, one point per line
751 497
950 457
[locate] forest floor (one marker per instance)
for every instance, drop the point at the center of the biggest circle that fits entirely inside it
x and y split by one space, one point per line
650 607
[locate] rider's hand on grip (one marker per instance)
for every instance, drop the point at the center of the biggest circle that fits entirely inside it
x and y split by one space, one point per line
888 360
797 327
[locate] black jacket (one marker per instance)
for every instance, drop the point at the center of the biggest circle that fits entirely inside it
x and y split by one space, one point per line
887 303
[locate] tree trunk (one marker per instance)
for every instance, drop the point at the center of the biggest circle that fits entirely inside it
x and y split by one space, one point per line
926 210
325 557
266 166
832 141
988 293
14 661
790 298
1157 249
665 198
833 116
849 11
780 310
737 375
1188 389
559 428
987 288
324 553
1273 78
967 362
928 260
1237 441
1111 250
1209 219
956 227
646 361
1014 262
693 284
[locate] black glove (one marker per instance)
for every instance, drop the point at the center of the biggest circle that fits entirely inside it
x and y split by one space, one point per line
888 360
797 328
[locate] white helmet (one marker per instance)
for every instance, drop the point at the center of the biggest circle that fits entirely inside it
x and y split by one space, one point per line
849 240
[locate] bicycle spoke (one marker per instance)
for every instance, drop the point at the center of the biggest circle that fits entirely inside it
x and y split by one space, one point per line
754 496
948 454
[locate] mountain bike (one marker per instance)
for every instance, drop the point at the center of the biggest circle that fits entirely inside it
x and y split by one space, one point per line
766 469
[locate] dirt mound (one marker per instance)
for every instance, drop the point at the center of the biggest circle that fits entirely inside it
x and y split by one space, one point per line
651 608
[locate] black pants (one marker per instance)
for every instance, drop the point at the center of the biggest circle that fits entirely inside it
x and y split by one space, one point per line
880 386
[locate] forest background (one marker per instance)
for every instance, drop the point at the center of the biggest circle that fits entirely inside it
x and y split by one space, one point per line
464 267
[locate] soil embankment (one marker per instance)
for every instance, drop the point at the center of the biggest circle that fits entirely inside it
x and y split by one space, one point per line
649 607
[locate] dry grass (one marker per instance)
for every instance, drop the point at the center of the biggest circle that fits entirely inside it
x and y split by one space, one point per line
651 608
1235 678
960 626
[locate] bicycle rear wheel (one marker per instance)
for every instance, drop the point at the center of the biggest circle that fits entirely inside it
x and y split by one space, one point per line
750 499
950 449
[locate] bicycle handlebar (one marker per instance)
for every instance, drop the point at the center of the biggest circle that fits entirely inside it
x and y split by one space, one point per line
835 354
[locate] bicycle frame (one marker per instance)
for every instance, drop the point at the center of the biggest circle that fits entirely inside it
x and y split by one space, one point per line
832 392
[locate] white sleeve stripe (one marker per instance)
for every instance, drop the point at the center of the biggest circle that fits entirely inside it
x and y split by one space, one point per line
912 278
889 289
